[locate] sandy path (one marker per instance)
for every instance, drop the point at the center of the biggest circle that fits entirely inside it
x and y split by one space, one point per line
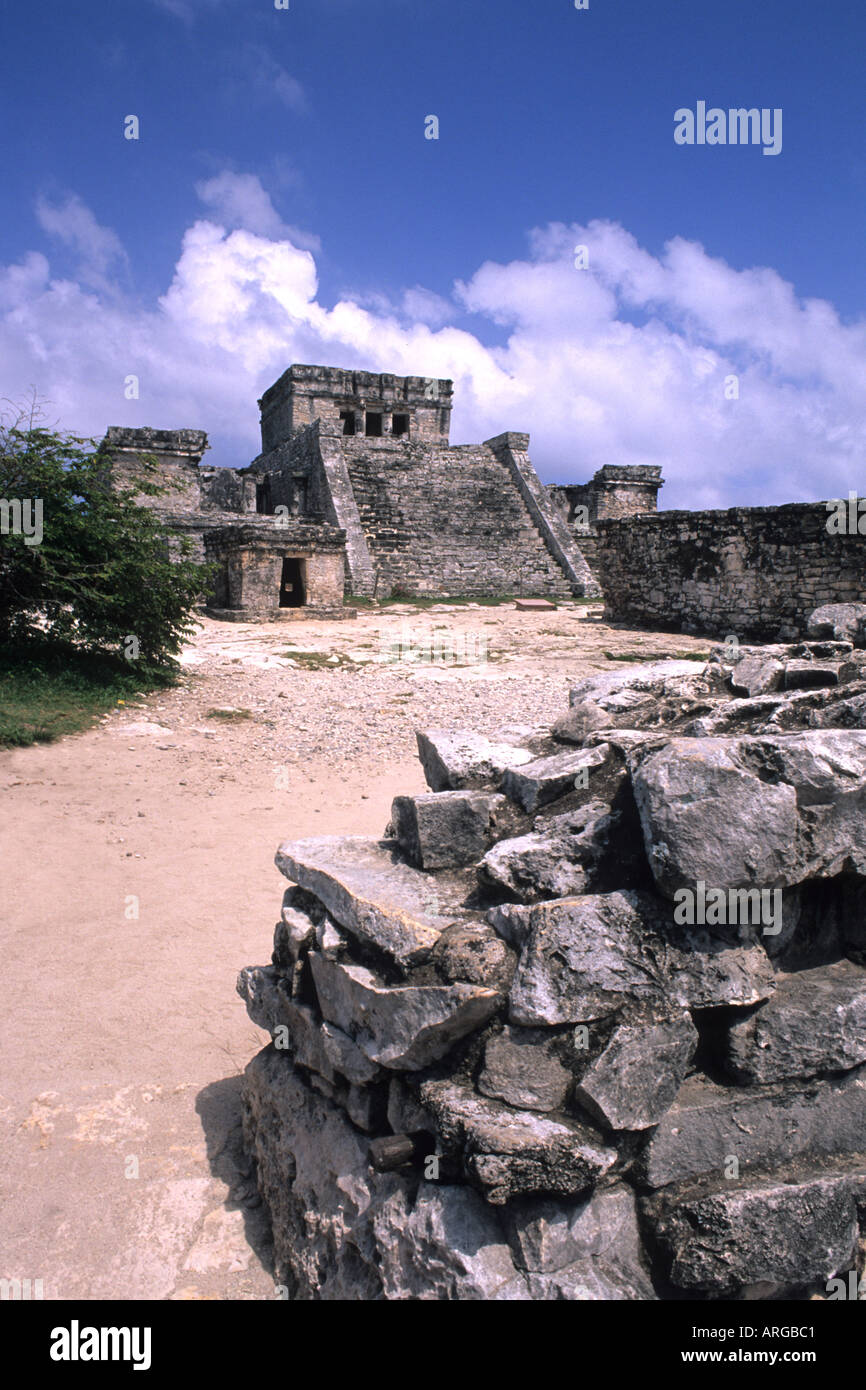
122 1037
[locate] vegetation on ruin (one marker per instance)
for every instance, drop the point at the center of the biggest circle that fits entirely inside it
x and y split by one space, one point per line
91 606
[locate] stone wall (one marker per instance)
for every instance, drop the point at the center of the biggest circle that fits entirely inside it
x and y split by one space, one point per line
751 571
506 1065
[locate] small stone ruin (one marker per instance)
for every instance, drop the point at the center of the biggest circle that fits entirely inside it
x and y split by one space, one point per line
589 1021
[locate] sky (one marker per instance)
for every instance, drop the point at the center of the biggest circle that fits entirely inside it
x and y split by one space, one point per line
283 203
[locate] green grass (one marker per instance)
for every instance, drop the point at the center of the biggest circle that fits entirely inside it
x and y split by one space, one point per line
48 690
228 715
318 661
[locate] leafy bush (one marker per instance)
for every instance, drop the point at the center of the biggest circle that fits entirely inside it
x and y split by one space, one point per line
99 574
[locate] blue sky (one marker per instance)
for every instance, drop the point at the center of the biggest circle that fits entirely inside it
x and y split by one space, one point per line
283 204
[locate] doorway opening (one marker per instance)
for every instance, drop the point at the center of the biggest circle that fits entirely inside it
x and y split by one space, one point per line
292 590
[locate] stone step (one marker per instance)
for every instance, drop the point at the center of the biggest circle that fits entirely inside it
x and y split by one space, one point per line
374 895
453 760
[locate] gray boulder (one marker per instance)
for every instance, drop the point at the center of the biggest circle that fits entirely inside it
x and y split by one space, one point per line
761 1126
754 811
585 1250
788 1233
521 1068
474 953
403 1028
442 830
541 781
372 894
635 1079
454 760
584 958
509 1153
815 1022
839 621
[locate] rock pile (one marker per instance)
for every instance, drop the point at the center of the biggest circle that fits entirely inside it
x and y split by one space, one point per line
589 1022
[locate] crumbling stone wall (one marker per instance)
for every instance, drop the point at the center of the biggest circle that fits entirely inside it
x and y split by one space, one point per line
515 1056
756 572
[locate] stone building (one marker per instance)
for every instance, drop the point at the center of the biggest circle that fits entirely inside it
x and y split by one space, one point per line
358 465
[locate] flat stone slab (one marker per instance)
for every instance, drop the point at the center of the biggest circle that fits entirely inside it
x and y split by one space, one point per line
760 1126
442 830
513 1152
785 1233
373 894
763 810
636 1077
454 760
815 1022
541 781
534 605
406 1027
583 958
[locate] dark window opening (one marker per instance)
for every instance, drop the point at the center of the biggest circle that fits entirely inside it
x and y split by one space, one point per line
292 594
348 419
263 496
374 424
400 425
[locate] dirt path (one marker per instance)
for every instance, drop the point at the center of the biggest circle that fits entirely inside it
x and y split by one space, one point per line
138 878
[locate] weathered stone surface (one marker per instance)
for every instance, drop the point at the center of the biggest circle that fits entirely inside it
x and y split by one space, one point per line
448 1245
295 931
815 1022
755 810
762 1126
636 1078
521 1069
544 779
757 674
442 830
651 679
404 1028
372 894
839 621
509 1152
567 855
318 1045
583 958
455 760
842 714
793 1232
584 1250
345 1232
580 720
474 953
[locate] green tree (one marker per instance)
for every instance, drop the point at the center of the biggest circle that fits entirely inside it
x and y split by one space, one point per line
80 560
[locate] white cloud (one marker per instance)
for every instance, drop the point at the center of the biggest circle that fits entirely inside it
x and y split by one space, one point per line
625 361
239 200
98 250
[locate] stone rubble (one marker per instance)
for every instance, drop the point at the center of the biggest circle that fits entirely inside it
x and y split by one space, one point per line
589 1096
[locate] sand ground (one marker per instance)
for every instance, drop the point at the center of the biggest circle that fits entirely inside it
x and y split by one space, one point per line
138 877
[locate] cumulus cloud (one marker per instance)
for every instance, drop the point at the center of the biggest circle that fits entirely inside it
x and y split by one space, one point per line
742 391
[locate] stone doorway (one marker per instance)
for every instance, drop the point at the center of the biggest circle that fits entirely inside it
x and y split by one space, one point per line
292 586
